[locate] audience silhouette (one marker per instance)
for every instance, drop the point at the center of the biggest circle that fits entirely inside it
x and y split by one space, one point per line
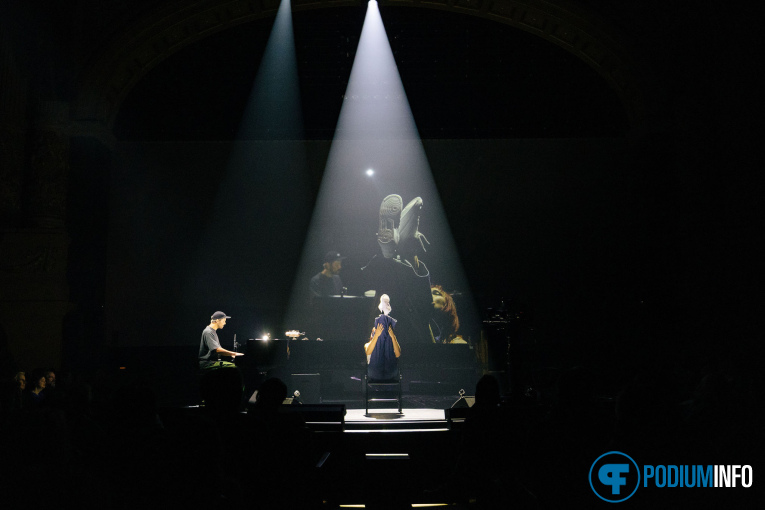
105 443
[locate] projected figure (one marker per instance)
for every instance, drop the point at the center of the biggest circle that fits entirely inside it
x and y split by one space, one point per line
209 347
400 272
328 282
445 322
382 349
327 311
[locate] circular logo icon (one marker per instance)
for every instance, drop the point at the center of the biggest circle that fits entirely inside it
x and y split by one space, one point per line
614 477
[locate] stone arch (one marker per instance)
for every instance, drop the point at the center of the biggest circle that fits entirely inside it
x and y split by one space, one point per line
135 51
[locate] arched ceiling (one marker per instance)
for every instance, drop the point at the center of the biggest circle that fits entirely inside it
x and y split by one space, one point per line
134 53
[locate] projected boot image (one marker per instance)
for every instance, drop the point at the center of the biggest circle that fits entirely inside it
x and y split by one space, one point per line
398 235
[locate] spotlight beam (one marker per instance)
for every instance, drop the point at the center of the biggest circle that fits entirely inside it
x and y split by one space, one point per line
375 130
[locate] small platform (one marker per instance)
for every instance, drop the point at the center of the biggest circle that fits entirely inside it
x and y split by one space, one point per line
389 420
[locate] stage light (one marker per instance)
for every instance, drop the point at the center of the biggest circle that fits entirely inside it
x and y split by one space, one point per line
376 128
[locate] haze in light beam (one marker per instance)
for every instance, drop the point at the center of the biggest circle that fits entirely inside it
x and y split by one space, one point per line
274 108
375 104
269 153
375 130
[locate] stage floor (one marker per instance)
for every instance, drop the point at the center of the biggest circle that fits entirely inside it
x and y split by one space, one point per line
337 418
389 420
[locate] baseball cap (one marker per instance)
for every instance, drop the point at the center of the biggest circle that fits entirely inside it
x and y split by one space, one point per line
219 315
332 256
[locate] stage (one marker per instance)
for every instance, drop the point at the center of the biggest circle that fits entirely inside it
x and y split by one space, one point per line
337 418
389 420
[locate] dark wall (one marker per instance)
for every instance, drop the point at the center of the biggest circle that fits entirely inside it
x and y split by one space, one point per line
554 225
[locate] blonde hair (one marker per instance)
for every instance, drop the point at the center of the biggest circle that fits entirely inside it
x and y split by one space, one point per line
384 305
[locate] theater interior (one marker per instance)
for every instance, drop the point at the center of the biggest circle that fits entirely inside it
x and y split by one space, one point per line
577 277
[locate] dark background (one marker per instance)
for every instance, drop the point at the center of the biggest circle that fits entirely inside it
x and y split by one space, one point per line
616 243
622 245
623 242
531 219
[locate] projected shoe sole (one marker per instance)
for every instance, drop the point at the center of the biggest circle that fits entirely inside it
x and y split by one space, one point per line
387 233
410 220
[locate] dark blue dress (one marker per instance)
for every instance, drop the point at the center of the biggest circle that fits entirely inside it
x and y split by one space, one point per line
383 363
